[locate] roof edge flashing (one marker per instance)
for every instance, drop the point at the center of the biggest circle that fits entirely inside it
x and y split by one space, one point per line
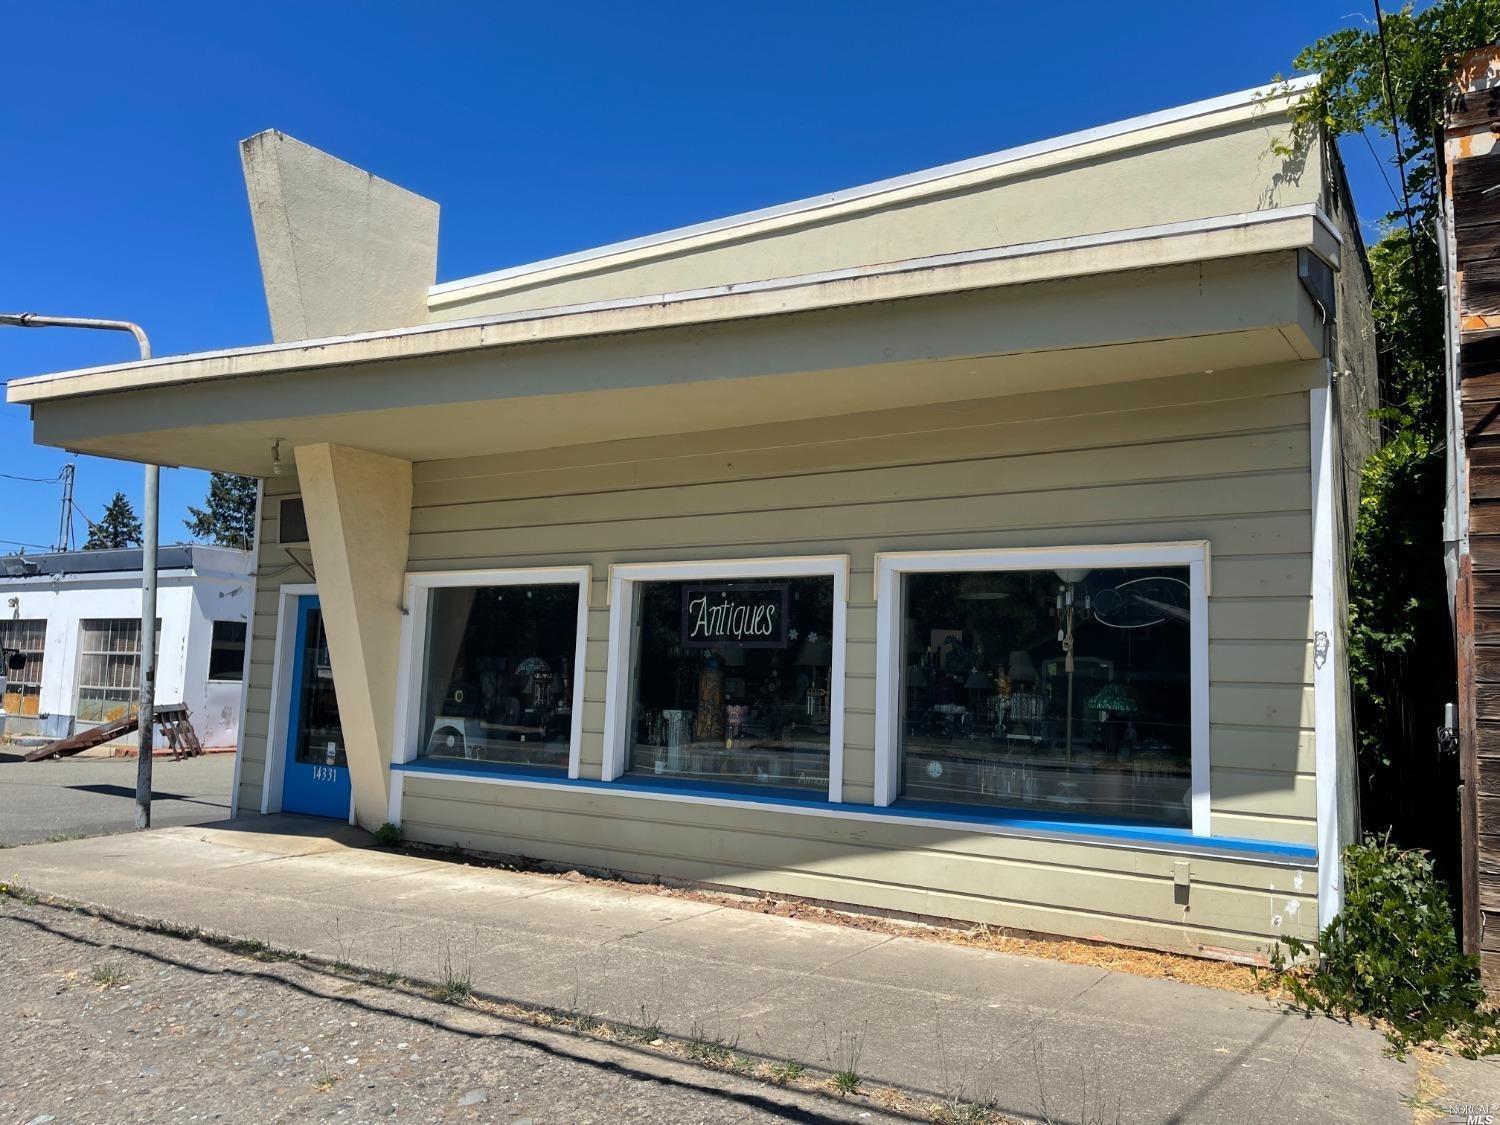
1225 236
1277 96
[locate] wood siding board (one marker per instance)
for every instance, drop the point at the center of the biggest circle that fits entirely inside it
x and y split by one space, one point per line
1268 533
1484 482
1480 287
1484 551
1160 410
834 837
1287 830
1481 417
1487 739
1484 520
1474 107
1471 180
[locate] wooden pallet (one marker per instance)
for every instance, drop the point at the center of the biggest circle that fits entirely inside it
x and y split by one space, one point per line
172 718
177 726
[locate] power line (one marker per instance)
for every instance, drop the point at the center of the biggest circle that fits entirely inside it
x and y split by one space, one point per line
33 480
1390 109
77 511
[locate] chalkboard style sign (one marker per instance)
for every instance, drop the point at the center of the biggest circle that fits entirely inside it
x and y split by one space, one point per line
751 615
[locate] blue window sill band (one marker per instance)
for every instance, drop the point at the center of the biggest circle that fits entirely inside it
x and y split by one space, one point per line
1003 822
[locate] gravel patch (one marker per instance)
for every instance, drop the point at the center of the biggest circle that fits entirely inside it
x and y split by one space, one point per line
110 1023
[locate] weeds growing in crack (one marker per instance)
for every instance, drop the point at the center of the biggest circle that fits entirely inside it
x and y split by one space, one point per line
245 947
344 962
327 1078
392 974
1092 1109
109 974
711 1050
843 1053
456 985
787 1070
968 1097
647 1029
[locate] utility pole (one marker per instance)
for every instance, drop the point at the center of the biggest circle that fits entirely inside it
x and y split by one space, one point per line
65 522
146 705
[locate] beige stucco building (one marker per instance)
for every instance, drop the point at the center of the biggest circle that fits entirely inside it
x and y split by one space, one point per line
968 544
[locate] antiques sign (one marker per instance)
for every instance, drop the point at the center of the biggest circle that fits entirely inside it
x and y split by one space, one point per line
751 615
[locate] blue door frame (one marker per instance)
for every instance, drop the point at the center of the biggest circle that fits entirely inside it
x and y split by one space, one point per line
315 777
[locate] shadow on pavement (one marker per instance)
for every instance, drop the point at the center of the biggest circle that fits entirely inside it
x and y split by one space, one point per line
516 1031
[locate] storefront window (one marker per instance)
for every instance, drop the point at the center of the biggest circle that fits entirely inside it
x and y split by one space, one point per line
498 675
731 681
1064 691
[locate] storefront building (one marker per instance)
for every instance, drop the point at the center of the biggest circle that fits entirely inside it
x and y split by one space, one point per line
967 545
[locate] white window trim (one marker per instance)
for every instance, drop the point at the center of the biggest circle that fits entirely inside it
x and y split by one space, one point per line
408 716
281 692
889 568
1327 670
622 580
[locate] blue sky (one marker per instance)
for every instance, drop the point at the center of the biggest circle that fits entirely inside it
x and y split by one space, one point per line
540 128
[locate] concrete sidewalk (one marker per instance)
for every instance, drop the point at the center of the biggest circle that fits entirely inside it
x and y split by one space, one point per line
1031 1036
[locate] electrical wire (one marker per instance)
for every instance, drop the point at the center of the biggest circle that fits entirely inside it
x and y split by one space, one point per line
33 480
77 511
1380 167
1390 109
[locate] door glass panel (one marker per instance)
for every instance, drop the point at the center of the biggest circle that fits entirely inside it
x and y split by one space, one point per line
320 739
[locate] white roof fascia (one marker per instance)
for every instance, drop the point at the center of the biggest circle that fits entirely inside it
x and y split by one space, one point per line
927 181
1257 232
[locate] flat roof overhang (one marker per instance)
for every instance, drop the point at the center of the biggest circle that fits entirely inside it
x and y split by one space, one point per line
1193 297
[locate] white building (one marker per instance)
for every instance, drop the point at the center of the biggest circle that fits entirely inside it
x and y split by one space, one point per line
75 616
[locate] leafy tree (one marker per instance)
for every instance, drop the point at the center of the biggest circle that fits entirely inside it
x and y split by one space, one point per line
228 518
1388 81
117 527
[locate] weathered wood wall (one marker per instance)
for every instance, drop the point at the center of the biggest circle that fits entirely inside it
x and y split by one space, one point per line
1472 165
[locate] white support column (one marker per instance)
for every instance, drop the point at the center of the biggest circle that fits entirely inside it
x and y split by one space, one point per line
359 521
1327 638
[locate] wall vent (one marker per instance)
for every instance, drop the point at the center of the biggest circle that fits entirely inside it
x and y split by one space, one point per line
292 521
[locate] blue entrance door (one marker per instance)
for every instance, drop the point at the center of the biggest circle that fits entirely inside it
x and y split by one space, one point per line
316 780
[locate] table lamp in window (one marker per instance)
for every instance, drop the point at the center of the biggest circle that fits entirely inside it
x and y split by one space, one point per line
1025 703
1070 612
1113 701
816 653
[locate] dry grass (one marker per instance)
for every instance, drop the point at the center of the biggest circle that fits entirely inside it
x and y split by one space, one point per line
1226 975
1428 1089
1207 972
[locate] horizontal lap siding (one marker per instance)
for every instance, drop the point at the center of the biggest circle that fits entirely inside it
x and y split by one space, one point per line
274 568
1086 891
1224 459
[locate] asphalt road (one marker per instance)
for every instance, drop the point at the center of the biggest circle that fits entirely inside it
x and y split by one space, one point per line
96 796
107 1023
